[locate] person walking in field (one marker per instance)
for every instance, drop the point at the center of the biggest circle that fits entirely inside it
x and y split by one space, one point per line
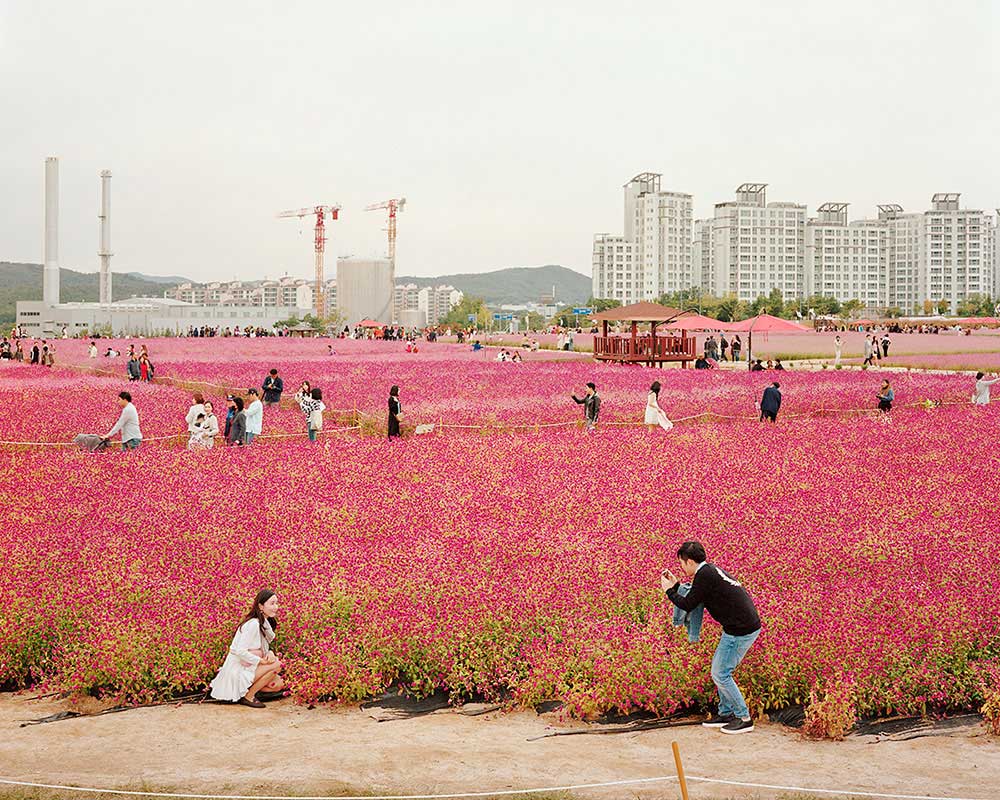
868 351
250 666
395 413
736 347
732 607
655 414
127 424
886 341
981 395
838 346
885 397
591 403
770 402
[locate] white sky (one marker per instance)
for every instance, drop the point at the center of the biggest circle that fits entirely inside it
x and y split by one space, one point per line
509 127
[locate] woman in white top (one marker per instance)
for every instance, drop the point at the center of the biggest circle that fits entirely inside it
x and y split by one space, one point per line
981 397
197 407
250 666
654 414
838 345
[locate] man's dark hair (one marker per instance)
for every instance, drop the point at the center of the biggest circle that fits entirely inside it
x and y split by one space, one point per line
316 394
274 372
591 385
125 396
979 376
776 385
693 551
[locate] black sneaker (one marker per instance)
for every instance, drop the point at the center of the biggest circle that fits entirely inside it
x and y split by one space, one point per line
715 721
738 726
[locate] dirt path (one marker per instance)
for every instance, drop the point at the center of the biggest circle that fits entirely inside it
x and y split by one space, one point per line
287 749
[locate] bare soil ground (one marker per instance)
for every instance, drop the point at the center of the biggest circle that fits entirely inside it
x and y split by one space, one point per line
287 750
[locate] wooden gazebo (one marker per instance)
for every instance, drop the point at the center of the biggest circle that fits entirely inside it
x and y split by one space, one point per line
646 348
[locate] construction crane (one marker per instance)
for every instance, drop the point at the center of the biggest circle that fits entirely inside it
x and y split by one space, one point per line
394 205
319 293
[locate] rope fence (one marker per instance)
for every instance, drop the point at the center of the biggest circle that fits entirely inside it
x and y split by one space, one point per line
497 793
365 421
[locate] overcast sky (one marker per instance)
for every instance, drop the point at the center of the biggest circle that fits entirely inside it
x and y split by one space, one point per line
509 129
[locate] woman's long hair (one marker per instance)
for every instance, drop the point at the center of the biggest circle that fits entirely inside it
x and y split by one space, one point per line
257 613
655 388
394 391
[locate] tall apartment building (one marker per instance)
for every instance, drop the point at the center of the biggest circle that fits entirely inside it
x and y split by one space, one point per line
437 301
758 246
407 297
702 253
847 261
944 255
653 255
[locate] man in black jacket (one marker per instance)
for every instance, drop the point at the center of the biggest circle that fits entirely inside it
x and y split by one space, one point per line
591 405
729 604
770 402
273 387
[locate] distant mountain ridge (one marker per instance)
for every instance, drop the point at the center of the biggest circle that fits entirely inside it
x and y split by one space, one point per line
24 282
515 285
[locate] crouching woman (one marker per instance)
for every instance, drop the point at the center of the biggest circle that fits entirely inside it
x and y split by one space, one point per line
250 666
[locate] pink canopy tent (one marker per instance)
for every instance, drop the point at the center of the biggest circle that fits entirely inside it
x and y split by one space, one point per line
370 323
697 322
765 323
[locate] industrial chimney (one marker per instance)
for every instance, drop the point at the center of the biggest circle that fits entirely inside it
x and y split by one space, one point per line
50 272
104 254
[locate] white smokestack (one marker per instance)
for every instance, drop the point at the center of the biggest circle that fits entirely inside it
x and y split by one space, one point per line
105 252
50 272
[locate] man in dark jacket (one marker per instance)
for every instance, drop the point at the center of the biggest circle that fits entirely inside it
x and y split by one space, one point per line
36 353
591 405
273 387
770 402
133 368
730 605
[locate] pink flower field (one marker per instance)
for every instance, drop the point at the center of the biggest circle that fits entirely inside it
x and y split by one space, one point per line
520 565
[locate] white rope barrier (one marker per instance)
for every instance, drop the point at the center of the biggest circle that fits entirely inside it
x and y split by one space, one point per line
495 793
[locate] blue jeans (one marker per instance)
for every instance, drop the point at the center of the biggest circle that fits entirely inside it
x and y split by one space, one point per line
312 434
692 620
249 439
727 657
131 444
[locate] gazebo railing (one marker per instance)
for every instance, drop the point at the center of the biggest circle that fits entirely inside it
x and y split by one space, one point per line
645 348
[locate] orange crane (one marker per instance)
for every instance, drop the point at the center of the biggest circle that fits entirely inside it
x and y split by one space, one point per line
394 205
319 298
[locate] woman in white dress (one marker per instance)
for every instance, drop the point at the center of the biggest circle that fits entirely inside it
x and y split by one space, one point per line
654 414
250 666
838 346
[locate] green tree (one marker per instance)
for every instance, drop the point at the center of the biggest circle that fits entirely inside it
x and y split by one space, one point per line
731 309
852 307
458 317
600 304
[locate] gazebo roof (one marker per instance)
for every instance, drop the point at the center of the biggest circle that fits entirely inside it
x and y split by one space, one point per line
639 312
